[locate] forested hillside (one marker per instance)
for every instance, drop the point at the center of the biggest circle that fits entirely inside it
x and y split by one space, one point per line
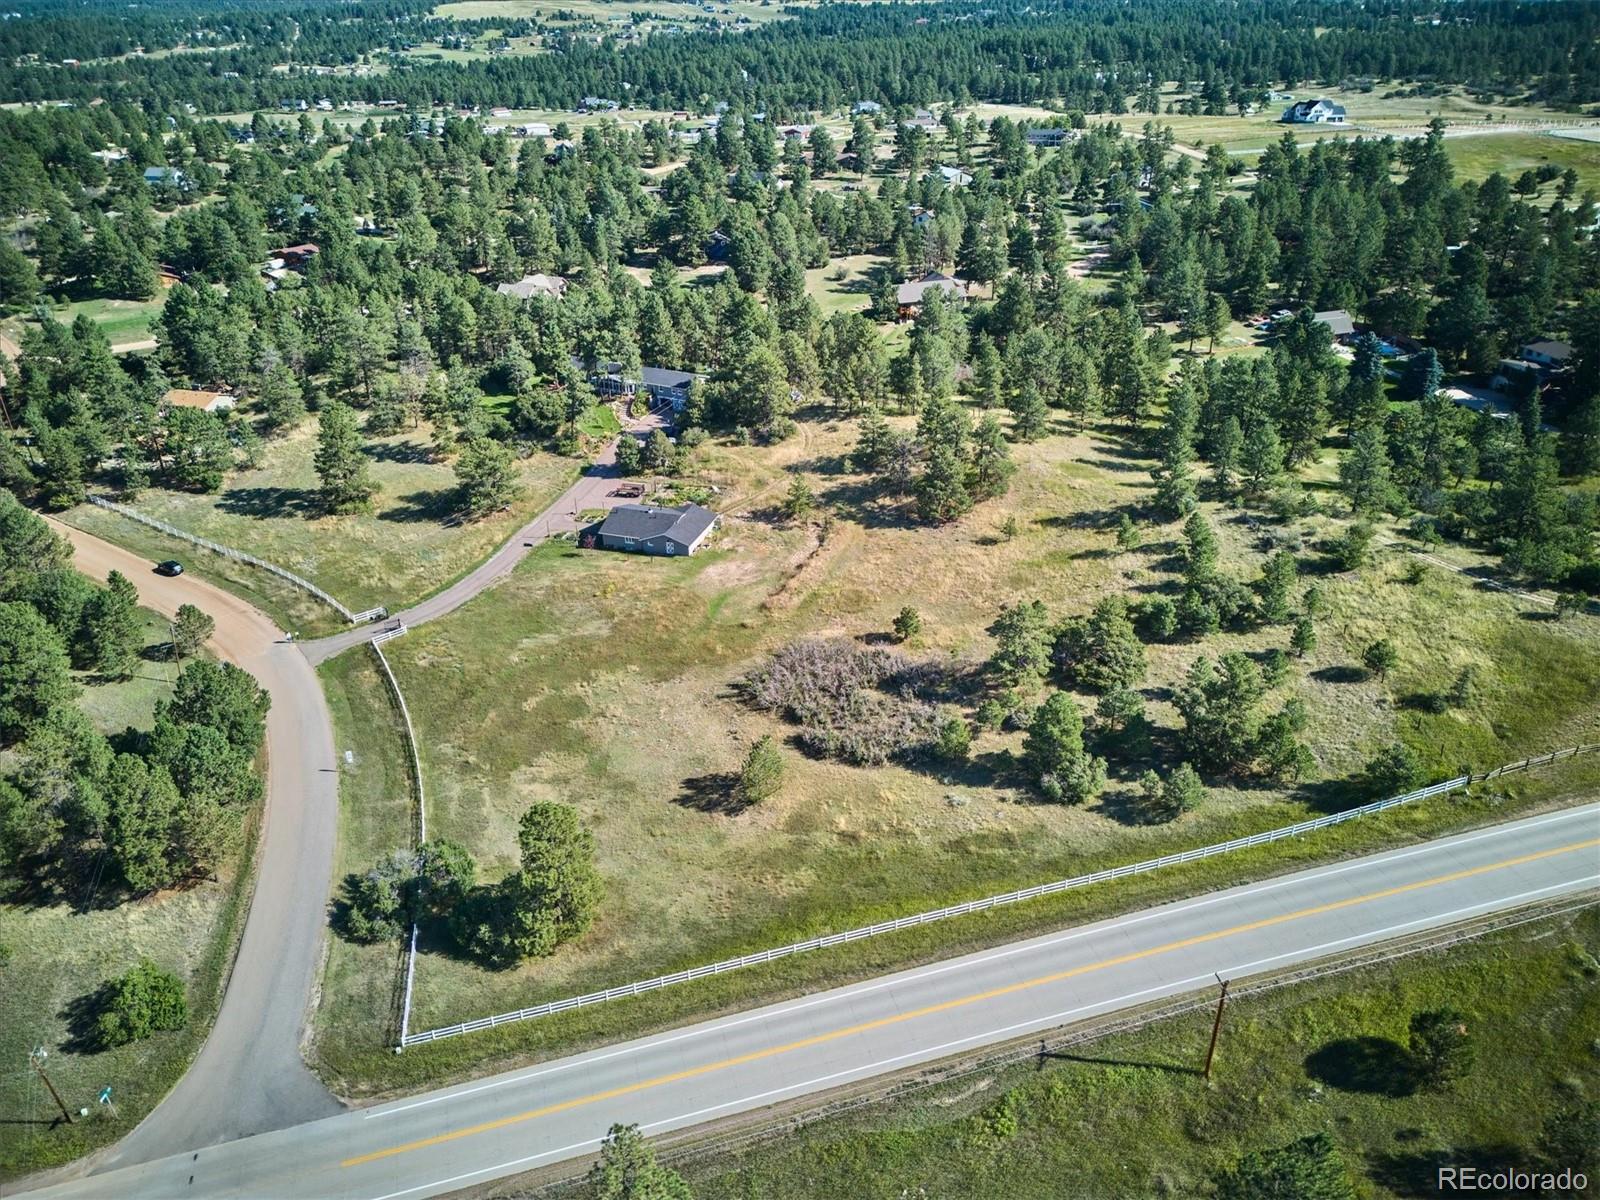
1097 55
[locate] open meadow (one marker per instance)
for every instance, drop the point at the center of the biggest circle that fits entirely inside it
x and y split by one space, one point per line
610 682
409 545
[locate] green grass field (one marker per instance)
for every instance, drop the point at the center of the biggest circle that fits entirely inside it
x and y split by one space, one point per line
1513 153
599 422
1531 995
1403 114
852 292
604 681
407 547
59 949
376 817
122 321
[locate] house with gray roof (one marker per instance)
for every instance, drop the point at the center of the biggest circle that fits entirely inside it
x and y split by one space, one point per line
662 383
1548 353
911 294
1340 323
649 529
166 177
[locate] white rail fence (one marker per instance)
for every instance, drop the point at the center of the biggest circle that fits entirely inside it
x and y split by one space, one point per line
984 905
123 510
422 808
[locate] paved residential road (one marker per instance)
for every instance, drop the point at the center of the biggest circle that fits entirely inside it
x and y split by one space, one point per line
249 1077
454 1138
592 490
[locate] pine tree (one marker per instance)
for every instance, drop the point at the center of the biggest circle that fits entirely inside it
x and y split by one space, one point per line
191 630
992 467
1029 415
347 484
628 1169
1225 450
1200 549
1364 471
872 441
487 473
1054 752
111 627
19 285
987 374
1304 638
1277 578
1261 456
799 501
281 400
762 773
942 493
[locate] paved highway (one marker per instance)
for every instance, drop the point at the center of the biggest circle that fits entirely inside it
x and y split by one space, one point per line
451 1139
249 1076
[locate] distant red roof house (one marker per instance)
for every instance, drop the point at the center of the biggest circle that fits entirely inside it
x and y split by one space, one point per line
295 256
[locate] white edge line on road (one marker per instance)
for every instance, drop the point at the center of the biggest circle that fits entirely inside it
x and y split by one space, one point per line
964 962
868 1069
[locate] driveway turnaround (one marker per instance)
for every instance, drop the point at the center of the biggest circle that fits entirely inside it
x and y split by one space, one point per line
466 1135
249 1076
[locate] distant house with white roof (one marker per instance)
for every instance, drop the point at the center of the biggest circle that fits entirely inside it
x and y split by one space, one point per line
1314 112
537 284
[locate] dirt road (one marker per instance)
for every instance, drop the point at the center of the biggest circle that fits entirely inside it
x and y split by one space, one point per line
249 1076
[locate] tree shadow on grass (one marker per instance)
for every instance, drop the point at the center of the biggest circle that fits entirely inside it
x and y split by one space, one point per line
441 506
263 502
1339 674
1416 1172
868 504
1332 795
82 1016
398 452
1120 466
1372 1065
716 793
1120 805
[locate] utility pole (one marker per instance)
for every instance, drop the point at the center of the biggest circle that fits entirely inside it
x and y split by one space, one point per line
36 1059
1216 1026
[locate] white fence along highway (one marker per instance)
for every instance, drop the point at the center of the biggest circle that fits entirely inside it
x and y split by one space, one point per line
983 905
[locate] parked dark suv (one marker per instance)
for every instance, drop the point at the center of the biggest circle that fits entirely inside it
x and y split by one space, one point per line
171 567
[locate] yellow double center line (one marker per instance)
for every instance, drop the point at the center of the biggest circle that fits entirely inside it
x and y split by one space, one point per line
960 1002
